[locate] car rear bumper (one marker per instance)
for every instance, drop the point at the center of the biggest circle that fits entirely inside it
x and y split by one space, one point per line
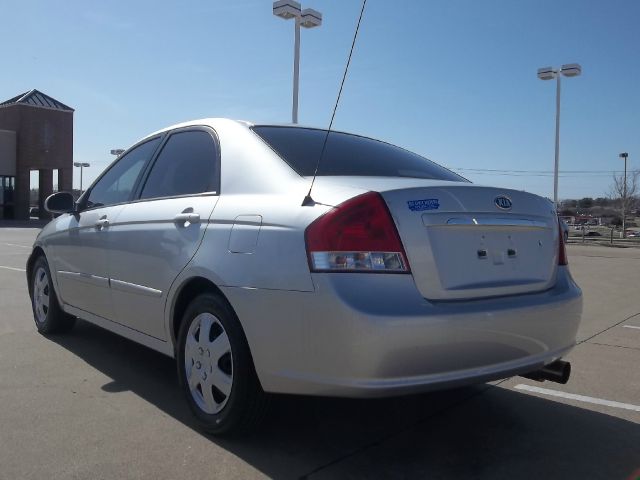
367 335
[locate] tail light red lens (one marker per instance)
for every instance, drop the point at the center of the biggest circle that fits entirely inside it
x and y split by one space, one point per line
358 235
562 249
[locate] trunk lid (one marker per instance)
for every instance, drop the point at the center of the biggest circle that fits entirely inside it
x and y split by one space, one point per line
465 241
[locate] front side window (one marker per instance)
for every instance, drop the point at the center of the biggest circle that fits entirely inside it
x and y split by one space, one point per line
116 185
187 165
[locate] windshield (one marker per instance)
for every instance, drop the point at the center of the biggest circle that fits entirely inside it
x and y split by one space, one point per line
348 155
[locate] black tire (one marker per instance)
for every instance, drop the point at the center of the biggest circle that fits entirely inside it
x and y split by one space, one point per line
245 405
50 318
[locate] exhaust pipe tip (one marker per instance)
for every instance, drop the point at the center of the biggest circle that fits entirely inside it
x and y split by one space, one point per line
558 372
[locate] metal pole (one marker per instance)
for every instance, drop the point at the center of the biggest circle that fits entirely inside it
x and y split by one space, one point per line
296 72
557 162
81 168
624 201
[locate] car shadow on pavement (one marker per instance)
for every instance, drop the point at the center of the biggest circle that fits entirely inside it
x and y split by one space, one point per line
476 432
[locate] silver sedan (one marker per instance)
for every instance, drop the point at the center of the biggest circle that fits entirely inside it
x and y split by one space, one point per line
391 275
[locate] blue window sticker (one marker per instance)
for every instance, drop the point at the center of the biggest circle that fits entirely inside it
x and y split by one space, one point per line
426 204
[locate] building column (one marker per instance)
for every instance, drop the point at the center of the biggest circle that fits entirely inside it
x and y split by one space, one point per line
45 189
21 194
65 180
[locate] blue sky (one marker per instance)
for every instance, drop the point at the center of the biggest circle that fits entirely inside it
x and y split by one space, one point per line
454 80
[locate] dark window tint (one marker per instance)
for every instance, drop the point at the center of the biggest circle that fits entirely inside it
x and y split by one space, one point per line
116 185
347 154
186 165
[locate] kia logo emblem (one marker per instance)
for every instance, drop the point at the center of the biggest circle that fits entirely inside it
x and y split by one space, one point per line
503 203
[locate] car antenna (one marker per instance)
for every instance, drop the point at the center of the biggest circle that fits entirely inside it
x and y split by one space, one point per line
308 201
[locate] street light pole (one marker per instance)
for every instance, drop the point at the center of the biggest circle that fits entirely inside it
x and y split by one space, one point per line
624 155
549 73
557 155
296 72
307 18
81 165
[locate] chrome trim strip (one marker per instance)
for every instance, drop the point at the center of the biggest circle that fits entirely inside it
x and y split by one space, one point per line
134 288
495 222
85 278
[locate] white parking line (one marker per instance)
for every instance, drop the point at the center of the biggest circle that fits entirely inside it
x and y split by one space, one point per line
631 326
17 245
13 268
579 398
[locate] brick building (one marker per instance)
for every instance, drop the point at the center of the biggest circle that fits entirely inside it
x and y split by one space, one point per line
36 133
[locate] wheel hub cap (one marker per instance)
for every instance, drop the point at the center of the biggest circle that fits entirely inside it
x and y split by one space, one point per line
208 363
41 294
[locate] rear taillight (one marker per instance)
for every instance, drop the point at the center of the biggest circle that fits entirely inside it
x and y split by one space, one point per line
357 236
562 250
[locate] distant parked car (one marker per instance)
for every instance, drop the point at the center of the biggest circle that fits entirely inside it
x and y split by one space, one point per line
394 276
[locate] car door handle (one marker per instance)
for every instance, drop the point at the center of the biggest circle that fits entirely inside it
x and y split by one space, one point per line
187 218
102 223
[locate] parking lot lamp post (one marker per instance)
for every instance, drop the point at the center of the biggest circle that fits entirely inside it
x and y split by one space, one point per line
624 196
82 166
550 73
307 18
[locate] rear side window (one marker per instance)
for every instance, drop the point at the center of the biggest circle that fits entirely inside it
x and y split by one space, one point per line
116 184
186 165
347 155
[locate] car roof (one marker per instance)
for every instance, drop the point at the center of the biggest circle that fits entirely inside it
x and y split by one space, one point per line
218 122
211 121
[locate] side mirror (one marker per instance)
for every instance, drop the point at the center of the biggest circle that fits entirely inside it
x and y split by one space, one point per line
61 202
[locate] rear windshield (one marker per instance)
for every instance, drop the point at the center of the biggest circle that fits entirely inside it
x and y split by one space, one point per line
347 155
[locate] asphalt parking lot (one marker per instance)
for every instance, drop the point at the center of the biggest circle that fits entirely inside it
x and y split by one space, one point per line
92 405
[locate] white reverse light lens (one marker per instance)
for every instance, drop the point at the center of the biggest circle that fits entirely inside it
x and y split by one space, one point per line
358 261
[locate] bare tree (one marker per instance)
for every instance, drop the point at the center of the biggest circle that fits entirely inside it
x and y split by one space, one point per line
625 193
